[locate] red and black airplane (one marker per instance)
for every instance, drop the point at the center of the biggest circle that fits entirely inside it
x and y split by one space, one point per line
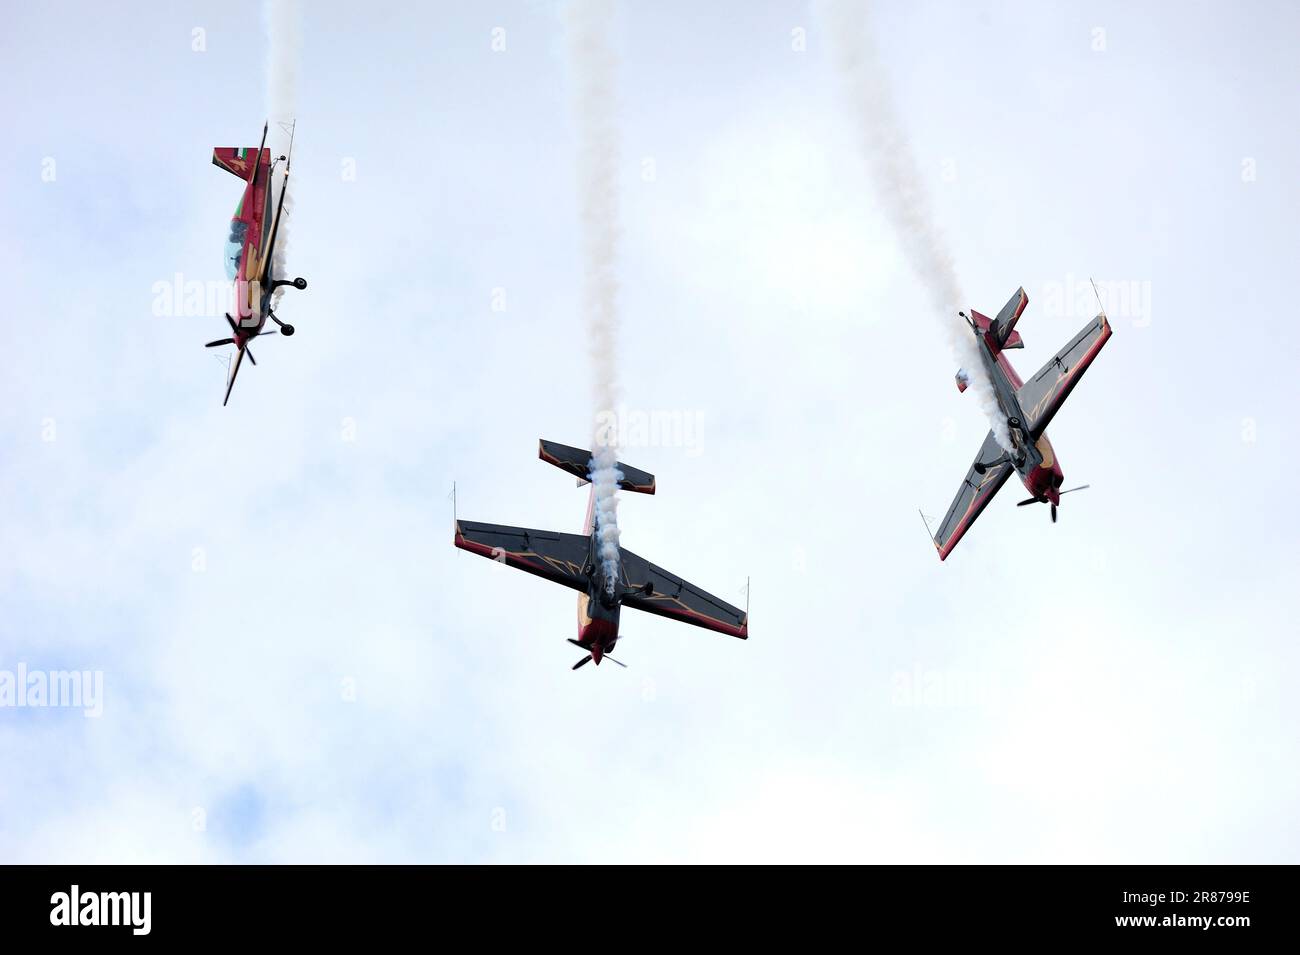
250 247
1028 407
573 560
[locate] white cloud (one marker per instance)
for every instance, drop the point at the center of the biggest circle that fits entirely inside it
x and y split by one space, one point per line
1140 648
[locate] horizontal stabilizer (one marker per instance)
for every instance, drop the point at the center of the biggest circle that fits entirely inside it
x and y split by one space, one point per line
577 461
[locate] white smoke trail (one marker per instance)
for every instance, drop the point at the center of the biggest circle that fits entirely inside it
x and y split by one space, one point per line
282 21
593 67
889 155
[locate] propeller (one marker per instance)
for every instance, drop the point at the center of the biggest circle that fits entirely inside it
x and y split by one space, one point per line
588 657
231 341
1039 500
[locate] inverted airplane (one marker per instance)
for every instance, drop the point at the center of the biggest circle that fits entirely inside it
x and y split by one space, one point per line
250 248
574 561
1028 407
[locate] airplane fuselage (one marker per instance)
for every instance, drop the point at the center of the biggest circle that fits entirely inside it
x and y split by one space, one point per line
252 301
597 615
1034 459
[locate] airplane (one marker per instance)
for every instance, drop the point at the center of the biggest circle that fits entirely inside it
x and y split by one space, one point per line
250 248
1028 407
573 560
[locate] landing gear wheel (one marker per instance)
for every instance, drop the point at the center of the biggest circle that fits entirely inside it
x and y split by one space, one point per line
286 330
1013 422
300 283
980 469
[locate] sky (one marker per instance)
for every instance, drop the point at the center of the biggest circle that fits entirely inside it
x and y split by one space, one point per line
298 666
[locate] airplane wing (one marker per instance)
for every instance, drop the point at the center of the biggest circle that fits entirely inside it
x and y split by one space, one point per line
557 557
972 497
234 373
271 222
680 600
1042 395
271 229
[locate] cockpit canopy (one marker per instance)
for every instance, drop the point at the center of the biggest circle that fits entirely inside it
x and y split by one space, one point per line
235 247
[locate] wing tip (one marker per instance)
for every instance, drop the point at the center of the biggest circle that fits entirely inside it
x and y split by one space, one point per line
459 538
946 548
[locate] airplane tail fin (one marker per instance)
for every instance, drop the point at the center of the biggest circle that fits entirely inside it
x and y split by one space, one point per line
999 333
239 161
577 462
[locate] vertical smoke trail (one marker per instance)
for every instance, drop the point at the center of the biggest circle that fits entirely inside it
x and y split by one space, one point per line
593 68
893 167
281 19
